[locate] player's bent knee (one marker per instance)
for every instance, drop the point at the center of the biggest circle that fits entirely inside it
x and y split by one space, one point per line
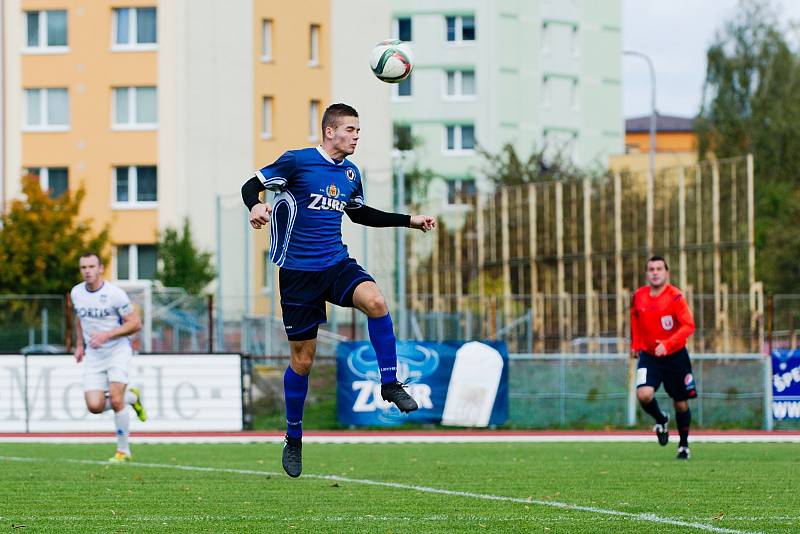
96 408
645 396
117 405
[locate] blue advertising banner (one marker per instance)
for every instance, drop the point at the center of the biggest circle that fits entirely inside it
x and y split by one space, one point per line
455 383
785 384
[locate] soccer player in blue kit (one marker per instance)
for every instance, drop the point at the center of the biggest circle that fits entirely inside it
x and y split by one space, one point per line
313 188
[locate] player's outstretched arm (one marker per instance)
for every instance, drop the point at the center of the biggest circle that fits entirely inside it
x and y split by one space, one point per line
423 222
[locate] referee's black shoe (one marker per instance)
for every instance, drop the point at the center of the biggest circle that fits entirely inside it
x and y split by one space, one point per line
292 456
394 392
662 431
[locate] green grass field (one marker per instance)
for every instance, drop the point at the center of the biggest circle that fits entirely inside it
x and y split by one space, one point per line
630 487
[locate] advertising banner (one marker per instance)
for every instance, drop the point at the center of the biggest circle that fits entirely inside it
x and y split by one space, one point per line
454 383
785 384
187 392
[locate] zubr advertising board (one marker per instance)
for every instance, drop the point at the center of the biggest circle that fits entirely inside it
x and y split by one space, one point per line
454 383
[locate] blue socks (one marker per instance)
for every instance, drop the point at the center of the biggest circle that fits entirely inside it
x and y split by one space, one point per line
381 334
295 388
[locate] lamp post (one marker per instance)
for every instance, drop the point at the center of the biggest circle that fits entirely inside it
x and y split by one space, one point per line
652 155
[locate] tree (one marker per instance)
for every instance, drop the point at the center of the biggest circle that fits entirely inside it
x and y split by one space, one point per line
42 240
507 168
750 105
182 264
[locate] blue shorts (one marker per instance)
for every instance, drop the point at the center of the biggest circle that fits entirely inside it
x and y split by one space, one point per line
674 370
304 293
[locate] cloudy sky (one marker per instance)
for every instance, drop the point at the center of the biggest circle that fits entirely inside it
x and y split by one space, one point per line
675 34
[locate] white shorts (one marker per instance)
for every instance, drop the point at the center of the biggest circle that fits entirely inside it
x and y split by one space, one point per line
100 367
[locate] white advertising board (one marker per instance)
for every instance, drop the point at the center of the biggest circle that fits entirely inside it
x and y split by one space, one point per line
12 393
186 392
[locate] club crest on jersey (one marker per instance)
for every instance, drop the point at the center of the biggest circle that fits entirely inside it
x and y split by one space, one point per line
350 173
667 323
332 191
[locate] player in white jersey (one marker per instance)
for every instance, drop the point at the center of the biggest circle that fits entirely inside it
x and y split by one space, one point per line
106 319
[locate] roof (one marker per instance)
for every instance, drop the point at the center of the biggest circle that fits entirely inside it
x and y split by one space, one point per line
664 123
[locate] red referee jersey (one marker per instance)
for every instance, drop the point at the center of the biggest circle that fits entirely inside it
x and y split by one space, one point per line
663 319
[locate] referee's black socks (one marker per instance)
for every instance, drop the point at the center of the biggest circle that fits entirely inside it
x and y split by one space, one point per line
653 409
683 419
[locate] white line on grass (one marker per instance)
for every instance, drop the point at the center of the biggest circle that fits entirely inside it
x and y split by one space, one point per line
644 517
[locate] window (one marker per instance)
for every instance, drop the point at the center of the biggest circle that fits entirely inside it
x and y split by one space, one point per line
46 31
575 43
460 138
135 107
313 52
464 189
460 29
402 89
460 83
136 262
135 186
402 28
54 180
47 109
266 40
403 139
313 120
266 120
135 28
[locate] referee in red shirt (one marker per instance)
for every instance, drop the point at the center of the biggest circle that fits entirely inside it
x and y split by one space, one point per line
660 324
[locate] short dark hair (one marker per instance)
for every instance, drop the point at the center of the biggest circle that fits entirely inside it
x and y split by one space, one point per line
90 253
659 258
334 113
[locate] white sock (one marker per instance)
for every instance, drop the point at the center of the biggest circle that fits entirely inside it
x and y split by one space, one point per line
123 422
108 404
129 397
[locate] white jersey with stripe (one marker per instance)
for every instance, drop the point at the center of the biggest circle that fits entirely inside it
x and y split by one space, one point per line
101 310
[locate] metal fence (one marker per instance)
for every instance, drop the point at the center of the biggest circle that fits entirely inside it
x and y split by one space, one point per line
561 391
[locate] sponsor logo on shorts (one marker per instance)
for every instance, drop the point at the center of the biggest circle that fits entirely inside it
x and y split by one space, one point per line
688 380
667 322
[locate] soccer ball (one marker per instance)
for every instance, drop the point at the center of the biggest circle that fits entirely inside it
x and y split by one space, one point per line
391 61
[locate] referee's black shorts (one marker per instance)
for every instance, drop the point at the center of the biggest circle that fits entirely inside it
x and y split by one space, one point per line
674 370
304 293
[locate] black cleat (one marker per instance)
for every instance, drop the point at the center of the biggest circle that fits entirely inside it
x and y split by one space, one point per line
683 453
293 456
662 431
394 392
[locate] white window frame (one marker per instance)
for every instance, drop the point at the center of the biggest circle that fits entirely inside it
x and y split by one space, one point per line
131 46
313 121
133 261
44 100
266 40
43 48
313 45
546 101
459 37
397 97
458 85
133 178
267 110
396 28
130 125
457 141
574 95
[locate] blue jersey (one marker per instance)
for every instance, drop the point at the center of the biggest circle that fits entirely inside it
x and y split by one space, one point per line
312 191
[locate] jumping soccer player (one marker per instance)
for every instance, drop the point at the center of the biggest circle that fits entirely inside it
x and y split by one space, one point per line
661 322
105 320
314 187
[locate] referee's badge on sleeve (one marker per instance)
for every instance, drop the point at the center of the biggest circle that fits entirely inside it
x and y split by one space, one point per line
666 322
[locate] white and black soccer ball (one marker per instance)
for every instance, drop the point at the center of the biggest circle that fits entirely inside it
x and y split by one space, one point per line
392 61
